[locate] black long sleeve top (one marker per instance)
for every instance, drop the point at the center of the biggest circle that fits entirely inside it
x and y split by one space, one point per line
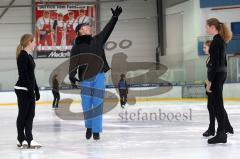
218 62
92 45
26 66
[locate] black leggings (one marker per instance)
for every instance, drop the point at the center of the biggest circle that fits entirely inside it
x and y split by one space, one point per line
26 113
217 101
56 99
212 114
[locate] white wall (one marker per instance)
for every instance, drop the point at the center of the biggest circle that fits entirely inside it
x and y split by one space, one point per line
132 25
13 24
226 16
191 25
184 66
194 21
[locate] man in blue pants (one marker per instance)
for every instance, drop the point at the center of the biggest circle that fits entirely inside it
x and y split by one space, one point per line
95 87
88 57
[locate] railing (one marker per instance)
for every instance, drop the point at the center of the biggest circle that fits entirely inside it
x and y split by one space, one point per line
233 47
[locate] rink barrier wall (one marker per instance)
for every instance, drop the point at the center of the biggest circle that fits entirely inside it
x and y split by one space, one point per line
49 103
231 93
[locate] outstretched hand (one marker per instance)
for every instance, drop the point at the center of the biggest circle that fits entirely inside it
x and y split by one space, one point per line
37 95
117 11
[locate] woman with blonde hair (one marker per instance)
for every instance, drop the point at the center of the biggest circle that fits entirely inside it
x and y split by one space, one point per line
217 73
27 92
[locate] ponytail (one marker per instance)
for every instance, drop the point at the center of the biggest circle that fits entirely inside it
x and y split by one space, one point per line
18 50
225 33
24 41
222 29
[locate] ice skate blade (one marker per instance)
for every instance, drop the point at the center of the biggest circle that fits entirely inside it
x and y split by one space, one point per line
35 147
96 140
207 137
224 142
25 146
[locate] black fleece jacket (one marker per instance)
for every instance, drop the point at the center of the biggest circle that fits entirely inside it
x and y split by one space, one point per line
218 62
90 45
26 66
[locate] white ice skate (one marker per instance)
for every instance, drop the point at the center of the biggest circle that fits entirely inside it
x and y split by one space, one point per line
35 145
24 144
19 144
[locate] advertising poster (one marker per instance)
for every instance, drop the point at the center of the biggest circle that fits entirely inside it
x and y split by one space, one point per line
55 24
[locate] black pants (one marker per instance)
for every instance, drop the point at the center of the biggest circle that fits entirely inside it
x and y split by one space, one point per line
123 96
26 113
216 98
56 99
212 114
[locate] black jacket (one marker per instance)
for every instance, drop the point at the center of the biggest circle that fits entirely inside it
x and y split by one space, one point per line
126 85
26 66
91 45
218 62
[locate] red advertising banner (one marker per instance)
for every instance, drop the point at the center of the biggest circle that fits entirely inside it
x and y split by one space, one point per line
55 24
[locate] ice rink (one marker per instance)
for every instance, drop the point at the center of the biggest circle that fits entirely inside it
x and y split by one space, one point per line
124 135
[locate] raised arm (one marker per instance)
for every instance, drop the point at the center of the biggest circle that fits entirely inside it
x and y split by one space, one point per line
106 32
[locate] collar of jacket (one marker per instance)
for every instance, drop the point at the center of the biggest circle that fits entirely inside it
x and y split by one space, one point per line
83 39
217 36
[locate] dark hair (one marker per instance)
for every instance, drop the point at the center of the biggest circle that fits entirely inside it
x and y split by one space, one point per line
222 28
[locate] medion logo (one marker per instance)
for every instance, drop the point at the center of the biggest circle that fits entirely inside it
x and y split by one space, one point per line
55 54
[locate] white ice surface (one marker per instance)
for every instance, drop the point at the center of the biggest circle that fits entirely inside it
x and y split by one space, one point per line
120 138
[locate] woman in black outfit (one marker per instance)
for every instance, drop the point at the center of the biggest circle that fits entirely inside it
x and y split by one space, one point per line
27 92
211 129
217 73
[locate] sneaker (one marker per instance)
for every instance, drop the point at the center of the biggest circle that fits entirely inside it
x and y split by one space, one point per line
34 144
19 144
